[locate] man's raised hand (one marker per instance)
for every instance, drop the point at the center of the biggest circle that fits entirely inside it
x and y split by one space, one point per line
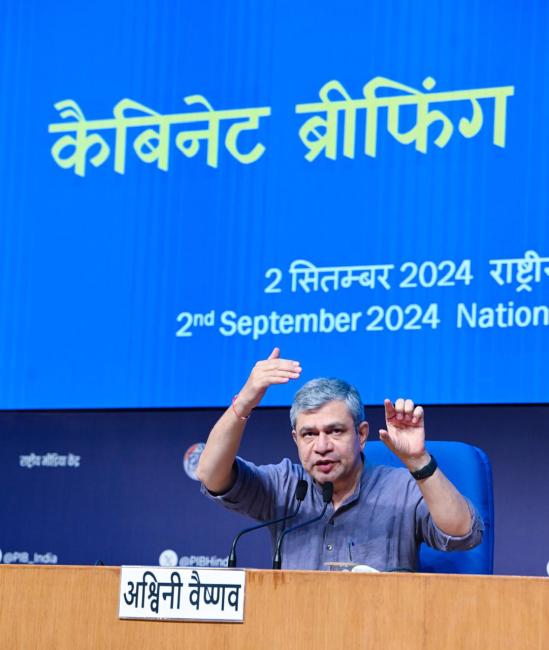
405 432
268 372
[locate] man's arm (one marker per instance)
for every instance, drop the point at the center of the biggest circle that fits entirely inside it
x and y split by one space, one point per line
216 465
405 437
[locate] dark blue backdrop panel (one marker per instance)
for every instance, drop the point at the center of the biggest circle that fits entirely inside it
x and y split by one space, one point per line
139 259
123 496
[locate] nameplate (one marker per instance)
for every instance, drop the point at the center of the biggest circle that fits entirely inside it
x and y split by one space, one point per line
182 594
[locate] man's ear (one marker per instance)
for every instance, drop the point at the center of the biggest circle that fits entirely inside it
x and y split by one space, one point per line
363 431
294 436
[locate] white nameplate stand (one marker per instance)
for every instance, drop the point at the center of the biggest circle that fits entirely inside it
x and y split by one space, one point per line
167 593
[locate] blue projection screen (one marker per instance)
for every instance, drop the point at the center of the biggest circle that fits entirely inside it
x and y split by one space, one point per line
185 185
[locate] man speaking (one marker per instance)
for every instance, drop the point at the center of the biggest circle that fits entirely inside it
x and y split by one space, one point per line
378 515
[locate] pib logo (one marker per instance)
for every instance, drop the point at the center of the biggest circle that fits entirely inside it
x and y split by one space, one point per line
191 458
168 558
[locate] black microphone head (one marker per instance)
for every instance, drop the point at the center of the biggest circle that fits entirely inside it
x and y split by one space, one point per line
327 492
301 490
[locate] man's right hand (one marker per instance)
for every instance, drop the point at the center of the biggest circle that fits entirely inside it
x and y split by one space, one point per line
268 372
216 467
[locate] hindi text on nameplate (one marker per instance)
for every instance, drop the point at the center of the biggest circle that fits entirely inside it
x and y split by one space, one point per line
182 594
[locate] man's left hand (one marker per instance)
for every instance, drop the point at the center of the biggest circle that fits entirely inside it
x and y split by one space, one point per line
405 432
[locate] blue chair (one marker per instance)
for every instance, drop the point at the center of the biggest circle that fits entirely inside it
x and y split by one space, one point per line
470 471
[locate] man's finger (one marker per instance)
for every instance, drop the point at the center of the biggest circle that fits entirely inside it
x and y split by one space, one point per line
389 409
275 354
282 364
386 438
399 408
279 380
408 407
418 414
279 372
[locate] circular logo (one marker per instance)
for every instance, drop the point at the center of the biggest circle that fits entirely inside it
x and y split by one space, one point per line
168 558
191 458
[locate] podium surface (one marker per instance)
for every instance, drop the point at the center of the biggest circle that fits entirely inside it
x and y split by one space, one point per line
68 608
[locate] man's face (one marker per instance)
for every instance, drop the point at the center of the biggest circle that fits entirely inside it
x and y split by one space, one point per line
328 444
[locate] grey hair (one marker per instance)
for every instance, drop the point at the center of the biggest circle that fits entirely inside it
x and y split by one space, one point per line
317 392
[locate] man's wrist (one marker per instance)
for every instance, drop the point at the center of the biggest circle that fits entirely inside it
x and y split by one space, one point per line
240 408
247 399
415 463
427 470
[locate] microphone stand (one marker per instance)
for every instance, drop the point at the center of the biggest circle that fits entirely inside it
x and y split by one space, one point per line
327 493
300 492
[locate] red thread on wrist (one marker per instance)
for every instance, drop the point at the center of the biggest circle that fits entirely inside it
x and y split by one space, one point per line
240 417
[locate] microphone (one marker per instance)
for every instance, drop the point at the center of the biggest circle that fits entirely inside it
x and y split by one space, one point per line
327 493
300 493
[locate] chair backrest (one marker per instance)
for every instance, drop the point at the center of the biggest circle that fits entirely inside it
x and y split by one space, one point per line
470 471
